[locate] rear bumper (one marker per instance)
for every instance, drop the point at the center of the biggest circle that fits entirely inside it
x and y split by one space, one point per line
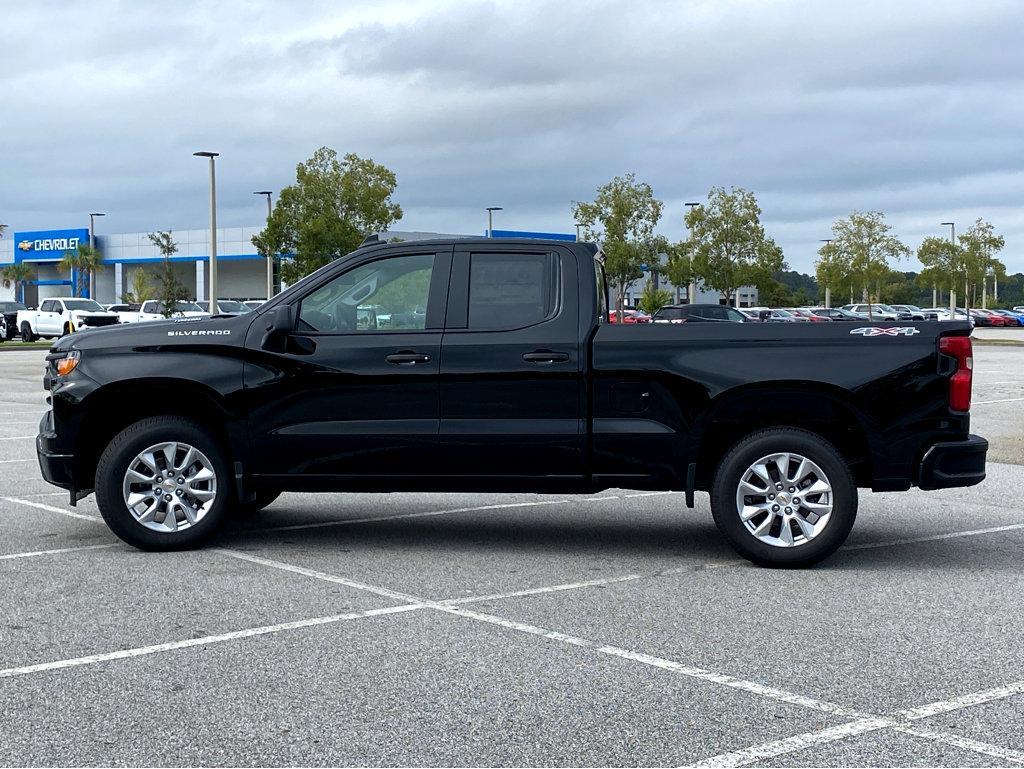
953 463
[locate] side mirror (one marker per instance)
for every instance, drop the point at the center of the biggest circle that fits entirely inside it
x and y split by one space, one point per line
279 323
764 315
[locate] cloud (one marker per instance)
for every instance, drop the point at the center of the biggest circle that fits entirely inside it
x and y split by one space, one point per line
910 108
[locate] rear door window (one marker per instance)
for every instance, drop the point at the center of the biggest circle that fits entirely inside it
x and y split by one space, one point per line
512 290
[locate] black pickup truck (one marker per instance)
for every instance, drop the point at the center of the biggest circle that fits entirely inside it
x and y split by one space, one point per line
489 365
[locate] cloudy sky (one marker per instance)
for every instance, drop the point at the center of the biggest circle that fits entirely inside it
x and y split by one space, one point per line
915 109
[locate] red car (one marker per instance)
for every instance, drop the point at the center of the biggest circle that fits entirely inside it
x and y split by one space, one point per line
988 318
629 316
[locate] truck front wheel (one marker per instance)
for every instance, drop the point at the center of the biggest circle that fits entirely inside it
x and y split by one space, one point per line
26 332
784 497
163 484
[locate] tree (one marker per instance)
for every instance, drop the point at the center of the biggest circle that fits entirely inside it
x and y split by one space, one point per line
679 265
775 294
979 245
833 273
169 290
622 218
333 205
80 264
653 299
729 245
18 274
863 247
142 288
943 266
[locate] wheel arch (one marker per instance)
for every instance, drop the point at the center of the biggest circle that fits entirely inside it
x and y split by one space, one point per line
110 409
816 407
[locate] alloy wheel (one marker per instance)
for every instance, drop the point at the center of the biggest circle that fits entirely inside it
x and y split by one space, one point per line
170 486
784 499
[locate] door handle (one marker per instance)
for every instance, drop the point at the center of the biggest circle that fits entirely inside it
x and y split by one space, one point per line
407 358
545 356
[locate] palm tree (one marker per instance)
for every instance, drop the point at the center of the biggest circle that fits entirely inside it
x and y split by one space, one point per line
19 274
81 263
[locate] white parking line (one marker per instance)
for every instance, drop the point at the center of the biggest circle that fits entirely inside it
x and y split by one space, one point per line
934 537
140 651
797 742
55 551
27 437
1001 400
964 701
12 461
52 509
957 741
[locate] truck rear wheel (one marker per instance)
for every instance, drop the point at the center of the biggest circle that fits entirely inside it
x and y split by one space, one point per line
163 484
26 332
784 497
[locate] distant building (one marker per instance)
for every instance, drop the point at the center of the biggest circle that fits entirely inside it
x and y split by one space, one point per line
748 294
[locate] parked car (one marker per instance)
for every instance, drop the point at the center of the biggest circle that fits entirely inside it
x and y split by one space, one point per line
878 312
126 313
695 313
506 391
916 313
9 311
153 310
789 315
1012 318
836 313
768 315
629 317
63 315
985 318
226 307
802 312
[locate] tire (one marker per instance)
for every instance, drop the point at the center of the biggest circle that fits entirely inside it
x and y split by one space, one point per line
263 499
812 535
26 333
209 506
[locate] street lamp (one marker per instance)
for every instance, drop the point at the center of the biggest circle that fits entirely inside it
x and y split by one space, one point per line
490 219
92 244
270 257
578 225
691 291
828 290
952 288
213 228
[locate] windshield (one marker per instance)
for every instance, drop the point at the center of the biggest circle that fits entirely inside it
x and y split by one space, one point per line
187 307
783 313
11 306
83 304
883 308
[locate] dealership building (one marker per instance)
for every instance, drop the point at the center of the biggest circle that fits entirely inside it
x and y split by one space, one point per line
241 271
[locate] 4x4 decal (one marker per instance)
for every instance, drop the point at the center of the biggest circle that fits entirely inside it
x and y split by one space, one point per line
893 331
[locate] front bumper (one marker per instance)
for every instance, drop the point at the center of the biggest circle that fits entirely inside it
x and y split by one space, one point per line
57 468
953 463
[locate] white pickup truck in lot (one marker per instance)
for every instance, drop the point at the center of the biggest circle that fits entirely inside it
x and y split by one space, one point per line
57 317
154 310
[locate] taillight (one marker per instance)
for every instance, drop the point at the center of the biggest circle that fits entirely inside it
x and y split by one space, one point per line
959 347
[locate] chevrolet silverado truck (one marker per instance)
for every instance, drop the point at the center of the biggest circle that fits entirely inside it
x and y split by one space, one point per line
497 370
60 316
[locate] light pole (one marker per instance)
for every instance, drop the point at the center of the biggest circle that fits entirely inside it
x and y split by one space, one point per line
828 290
270 257
213 228
952 285
691 291
490 219
578 225
92 244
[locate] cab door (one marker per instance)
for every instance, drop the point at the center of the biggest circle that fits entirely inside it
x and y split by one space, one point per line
512 385
48 321
353 391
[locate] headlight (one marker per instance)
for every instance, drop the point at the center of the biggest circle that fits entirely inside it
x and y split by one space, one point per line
68 363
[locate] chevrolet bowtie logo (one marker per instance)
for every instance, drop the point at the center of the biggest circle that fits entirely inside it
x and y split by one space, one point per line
25 245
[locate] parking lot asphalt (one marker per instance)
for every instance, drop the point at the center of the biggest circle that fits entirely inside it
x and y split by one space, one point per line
496 629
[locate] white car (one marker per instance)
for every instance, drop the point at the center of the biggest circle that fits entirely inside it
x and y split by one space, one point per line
63 315
878 311
943 313
154 310
126 313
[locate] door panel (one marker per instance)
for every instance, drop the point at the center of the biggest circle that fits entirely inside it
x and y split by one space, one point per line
511 371
354 391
